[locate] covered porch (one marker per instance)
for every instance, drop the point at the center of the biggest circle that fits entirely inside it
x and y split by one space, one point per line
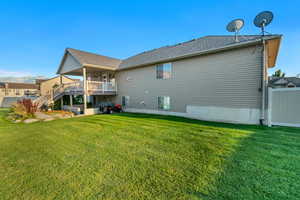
97 83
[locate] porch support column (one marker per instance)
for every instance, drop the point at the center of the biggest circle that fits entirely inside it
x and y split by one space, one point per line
84 90
62 102
71 100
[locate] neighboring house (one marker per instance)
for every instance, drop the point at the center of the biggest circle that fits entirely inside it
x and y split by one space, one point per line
11 92
210 78
284 82
46 85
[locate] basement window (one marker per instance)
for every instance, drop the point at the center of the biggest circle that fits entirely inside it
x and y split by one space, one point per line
125 101
163 102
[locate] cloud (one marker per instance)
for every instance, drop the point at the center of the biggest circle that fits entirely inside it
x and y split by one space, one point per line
5 73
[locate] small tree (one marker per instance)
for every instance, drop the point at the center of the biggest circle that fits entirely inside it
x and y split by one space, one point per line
23 109
279 74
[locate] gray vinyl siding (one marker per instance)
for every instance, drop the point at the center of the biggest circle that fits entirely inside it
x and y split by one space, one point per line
228 79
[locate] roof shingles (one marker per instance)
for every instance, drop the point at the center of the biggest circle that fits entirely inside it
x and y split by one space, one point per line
86 58
187 48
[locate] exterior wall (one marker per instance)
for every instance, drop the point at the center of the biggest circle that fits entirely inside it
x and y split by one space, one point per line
102 98
12 95
16 92
1 100
70 64
47 86
284 104
218 84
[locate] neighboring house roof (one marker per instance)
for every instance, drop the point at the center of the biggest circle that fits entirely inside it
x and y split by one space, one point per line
11 85
284 82
39 81
190 48
2 85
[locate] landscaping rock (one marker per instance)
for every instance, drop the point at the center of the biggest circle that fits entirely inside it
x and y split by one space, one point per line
27 121
48 119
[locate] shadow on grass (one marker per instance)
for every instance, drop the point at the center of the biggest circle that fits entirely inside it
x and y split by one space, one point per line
265 165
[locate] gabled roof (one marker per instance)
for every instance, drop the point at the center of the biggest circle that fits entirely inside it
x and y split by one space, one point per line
87 59
190 48
195 47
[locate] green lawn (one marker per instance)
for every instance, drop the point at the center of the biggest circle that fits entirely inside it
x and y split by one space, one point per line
139 156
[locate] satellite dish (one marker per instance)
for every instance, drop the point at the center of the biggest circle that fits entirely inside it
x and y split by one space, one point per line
263 19
235 26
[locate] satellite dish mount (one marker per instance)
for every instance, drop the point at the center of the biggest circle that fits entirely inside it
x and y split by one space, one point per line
235 26
262 20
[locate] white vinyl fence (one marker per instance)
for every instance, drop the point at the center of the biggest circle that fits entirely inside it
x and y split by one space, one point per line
284 107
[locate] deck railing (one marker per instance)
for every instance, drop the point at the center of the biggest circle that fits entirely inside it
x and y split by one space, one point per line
93 87
101 86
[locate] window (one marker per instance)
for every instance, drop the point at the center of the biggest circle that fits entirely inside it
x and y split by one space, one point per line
163 103
125 101
17 92
164 71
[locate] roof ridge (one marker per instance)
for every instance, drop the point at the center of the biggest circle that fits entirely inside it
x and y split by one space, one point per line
188 41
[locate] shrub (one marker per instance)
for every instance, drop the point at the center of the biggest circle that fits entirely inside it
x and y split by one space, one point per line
24 108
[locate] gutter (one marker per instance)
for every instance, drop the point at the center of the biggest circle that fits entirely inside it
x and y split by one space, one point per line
263 96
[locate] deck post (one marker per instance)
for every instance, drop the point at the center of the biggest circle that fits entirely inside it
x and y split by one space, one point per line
84 90
71 100
62 102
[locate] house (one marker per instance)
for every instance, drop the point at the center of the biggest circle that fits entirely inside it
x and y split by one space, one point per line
211 78
11 92
284 82
46 85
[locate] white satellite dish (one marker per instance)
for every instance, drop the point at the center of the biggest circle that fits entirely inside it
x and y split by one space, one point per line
235 26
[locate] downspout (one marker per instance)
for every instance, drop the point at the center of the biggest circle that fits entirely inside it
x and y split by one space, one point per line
262 117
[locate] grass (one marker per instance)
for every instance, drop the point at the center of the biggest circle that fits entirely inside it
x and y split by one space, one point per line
139 156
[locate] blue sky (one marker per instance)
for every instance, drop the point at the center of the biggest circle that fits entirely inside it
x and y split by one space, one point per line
34 34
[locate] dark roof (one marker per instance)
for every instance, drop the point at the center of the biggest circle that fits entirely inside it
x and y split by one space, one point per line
87 58
2 85
21 86
278 81
189 48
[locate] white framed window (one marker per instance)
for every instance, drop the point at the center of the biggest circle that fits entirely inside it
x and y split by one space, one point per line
164 71
125 101
163 102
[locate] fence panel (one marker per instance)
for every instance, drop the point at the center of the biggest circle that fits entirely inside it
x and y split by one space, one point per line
284 107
